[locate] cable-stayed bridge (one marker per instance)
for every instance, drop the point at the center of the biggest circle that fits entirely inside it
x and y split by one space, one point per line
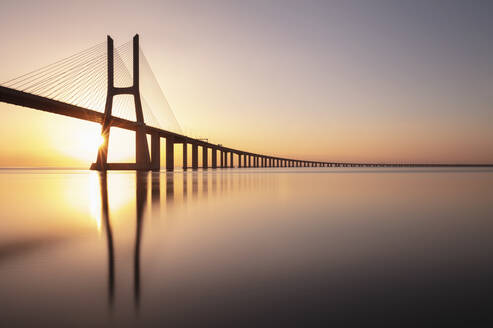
116 87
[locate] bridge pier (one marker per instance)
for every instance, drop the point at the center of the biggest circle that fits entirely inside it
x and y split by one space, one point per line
214 158
231 160
155 152
185 156
170 154
239 160
205 158
195 156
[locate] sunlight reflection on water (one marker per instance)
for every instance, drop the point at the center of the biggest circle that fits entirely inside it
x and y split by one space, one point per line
243 247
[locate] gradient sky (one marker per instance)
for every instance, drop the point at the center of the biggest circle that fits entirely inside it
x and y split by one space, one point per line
396 81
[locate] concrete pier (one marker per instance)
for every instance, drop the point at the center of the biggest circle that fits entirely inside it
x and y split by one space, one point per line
205 157
170 154
185 156
214 158
195 156
155 152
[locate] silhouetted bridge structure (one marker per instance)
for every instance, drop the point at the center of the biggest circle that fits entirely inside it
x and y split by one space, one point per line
55 81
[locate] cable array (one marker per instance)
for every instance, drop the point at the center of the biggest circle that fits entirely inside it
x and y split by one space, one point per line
81 80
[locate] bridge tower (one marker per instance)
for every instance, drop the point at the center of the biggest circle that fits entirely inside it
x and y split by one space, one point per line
142 159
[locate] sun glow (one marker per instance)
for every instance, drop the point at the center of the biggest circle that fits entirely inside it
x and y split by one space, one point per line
81 141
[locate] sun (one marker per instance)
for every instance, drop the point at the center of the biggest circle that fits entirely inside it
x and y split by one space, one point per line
78 141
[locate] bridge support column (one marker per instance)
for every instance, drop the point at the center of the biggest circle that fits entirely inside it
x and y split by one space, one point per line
222 158
195 156
214 158
185 156
205 157
239 160
170 154
155 152
142 158
231 160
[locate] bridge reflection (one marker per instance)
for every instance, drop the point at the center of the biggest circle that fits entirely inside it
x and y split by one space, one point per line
176 190
141 199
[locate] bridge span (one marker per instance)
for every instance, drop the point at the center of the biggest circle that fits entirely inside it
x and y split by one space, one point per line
221 156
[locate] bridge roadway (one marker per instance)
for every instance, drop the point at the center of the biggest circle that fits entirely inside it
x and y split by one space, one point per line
245 159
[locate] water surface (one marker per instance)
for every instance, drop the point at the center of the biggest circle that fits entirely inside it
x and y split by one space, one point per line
246 247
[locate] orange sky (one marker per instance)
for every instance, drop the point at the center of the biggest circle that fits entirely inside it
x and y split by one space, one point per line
333 81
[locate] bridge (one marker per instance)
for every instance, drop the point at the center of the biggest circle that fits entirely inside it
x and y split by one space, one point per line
72 87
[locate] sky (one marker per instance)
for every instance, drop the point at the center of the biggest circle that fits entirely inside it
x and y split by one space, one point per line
368 81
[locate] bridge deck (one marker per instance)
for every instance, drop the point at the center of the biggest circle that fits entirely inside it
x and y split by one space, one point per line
24 99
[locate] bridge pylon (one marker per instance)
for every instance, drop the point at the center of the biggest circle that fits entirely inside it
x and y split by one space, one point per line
142 159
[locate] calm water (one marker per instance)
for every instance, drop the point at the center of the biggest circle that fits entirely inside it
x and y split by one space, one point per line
246 248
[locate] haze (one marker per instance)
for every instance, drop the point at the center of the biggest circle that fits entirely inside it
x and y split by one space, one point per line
388 81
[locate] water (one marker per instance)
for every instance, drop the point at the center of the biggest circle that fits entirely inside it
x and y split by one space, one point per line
246 248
